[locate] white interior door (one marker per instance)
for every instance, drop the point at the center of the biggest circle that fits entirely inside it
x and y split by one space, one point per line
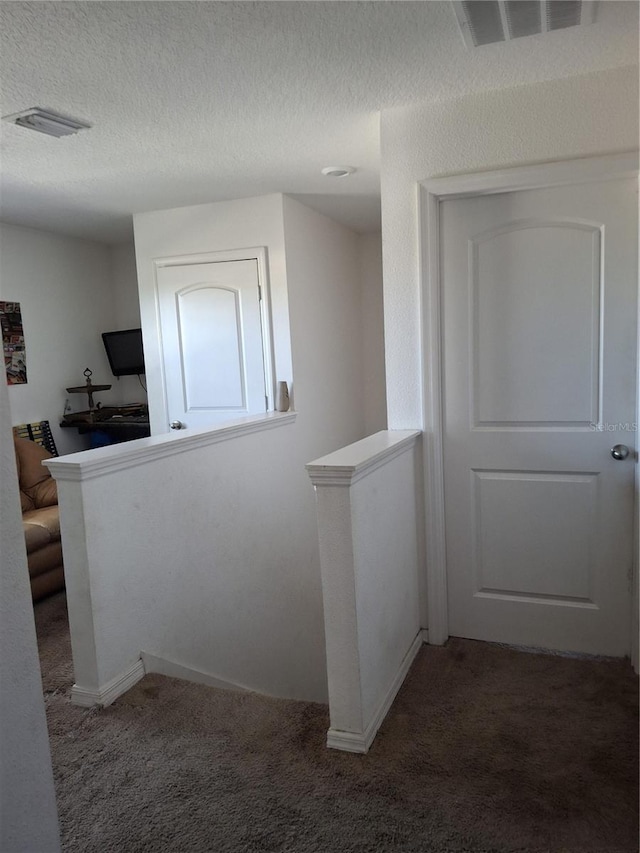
212 348
539 349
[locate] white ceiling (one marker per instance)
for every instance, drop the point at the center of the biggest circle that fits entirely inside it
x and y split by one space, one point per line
202 101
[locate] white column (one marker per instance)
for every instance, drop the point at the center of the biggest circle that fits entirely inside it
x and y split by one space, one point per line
368 499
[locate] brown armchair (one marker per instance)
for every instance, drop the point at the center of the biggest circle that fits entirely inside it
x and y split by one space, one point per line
40 519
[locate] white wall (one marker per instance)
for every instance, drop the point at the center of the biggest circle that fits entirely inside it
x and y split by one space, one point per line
215 565
322 265
246 223
563 119
374 377
28 816
64 289
126 305
315 301
125 286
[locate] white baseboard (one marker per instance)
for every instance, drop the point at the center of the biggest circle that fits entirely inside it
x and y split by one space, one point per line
424 633
109 692
347 741
361 741
163 666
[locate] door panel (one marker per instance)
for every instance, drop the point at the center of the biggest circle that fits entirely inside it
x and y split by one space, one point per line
212 346
533 365
524 548
539 339
210 333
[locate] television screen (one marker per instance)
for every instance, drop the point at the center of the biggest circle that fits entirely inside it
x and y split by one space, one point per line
124 351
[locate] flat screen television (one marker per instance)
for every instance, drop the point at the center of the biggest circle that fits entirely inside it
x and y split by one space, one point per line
124 351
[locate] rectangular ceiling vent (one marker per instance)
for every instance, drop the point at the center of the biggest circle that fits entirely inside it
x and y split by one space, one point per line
47 121
490 21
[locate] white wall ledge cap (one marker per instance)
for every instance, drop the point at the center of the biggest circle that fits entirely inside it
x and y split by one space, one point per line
106 460
349 464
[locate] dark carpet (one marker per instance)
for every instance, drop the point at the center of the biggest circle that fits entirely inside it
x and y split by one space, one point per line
486 749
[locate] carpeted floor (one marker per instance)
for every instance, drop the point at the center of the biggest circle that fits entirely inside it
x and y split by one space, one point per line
486 749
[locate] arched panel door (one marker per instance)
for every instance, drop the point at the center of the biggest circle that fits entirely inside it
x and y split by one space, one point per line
212 346
539 331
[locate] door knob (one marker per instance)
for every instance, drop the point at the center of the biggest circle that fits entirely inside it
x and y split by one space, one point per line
180 425
620 451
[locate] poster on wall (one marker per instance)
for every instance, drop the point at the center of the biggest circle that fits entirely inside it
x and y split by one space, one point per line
15 360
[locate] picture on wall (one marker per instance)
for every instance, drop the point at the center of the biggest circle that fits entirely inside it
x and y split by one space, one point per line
15 360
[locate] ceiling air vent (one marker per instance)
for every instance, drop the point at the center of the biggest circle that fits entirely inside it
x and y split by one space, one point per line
490 21
47 121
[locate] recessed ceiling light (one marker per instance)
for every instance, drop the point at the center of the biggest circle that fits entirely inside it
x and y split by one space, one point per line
47 121
338 171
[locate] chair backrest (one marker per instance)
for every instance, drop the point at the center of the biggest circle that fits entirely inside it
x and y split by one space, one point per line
40 432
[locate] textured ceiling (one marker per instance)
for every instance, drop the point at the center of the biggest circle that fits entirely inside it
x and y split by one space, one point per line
198 102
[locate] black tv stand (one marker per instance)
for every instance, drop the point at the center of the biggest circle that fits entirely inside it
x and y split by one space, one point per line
111 424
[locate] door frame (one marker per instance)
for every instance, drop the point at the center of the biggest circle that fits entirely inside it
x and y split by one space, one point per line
258 254
431 193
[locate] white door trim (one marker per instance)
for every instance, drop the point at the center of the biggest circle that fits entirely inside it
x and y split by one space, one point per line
431 193
258 254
